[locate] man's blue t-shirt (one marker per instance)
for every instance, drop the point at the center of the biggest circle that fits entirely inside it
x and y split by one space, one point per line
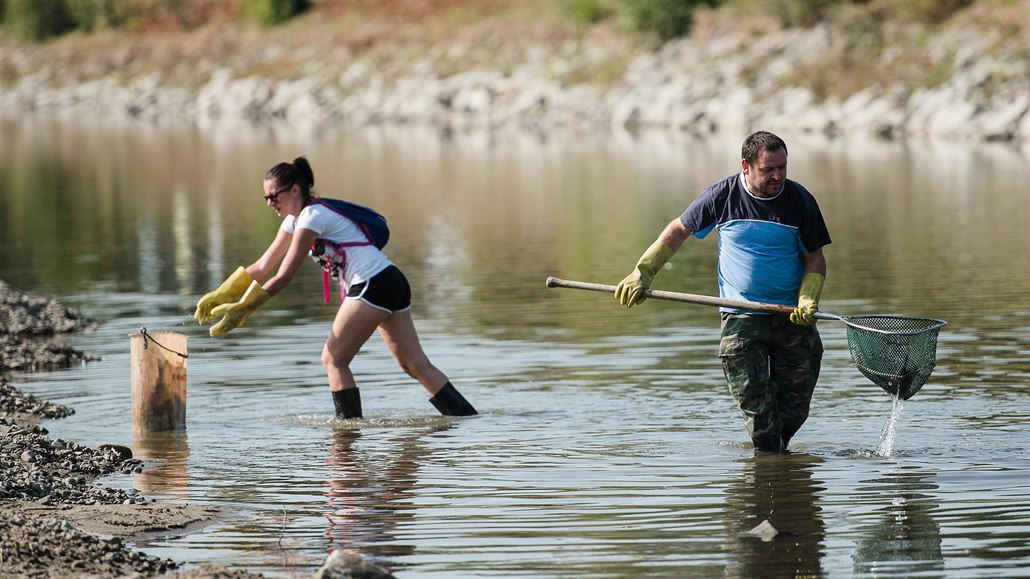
762 241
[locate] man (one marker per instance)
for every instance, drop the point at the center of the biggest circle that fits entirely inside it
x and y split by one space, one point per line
771 236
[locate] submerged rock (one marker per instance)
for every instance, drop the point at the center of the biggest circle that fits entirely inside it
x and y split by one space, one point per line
342 565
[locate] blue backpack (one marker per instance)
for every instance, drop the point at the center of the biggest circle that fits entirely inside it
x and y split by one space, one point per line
369 220
332 257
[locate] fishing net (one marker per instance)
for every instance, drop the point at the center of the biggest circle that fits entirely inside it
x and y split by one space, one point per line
897 353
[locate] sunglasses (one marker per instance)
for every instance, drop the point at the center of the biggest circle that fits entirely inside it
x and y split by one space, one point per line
271 197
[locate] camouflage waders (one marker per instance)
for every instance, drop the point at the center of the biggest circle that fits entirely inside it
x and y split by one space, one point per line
771 366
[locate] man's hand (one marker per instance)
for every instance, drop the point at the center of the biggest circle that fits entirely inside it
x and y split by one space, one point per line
630 290
808 299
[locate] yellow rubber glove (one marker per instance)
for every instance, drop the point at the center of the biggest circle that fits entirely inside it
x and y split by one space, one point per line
631 289
808 299
230 290
236 313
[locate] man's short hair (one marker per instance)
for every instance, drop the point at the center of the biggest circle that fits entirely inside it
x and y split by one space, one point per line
760 141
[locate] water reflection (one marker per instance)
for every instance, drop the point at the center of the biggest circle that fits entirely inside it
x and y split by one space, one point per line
480 223
782 490
166 453
369 495
907 539
474 220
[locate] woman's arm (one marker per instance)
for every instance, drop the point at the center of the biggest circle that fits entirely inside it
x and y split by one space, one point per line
274 254
295 250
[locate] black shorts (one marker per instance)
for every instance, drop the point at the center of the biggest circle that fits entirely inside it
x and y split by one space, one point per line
387 290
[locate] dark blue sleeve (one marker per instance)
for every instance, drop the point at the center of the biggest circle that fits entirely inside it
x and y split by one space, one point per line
814 234
701 217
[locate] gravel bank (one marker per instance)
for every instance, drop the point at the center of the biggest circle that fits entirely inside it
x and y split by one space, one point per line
54 521
31 329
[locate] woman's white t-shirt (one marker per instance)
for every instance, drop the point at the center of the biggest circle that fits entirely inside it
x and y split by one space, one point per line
363 261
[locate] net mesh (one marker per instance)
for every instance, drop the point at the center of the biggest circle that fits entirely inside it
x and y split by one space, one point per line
897 353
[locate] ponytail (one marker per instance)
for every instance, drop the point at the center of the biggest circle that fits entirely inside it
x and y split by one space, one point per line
298 173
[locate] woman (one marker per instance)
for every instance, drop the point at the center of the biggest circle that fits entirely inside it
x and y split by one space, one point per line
379 296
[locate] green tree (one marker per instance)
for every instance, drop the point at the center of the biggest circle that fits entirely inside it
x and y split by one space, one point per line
273 12
37 19
666 18
584 11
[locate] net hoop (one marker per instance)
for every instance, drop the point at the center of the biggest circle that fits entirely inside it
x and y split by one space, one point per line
897 353
922 324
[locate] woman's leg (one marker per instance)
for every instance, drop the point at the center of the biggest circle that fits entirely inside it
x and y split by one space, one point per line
355 321
398 331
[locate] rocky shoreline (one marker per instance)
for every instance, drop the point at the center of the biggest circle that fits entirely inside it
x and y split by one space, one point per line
28 326
46 483
965 79
55 522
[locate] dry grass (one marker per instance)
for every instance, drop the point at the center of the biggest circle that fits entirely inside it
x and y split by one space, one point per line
184 46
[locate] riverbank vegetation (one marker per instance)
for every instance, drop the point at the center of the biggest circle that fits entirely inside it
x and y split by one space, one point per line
360 25
889 67
40 20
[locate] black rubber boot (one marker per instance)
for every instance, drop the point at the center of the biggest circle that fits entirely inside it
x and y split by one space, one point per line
348 403
769 443
450 402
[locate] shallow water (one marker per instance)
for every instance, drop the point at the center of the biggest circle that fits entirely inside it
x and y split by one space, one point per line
607 444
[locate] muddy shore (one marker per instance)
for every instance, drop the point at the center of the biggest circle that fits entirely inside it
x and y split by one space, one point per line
55 520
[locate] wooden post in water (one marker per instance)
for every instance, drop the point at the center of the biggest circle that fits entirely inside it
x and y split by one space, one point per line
158 381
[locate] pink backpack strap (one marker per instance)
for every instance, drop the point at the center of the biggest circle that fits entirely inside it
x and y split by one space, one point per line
341 250
325 284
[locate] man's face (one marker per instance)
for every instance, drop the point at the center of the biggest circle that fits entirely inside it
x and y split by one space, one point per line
766 177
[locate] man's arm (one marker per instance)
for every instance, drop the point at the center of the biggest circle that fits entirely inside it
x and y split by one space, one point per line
630 290
674 234
815 262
